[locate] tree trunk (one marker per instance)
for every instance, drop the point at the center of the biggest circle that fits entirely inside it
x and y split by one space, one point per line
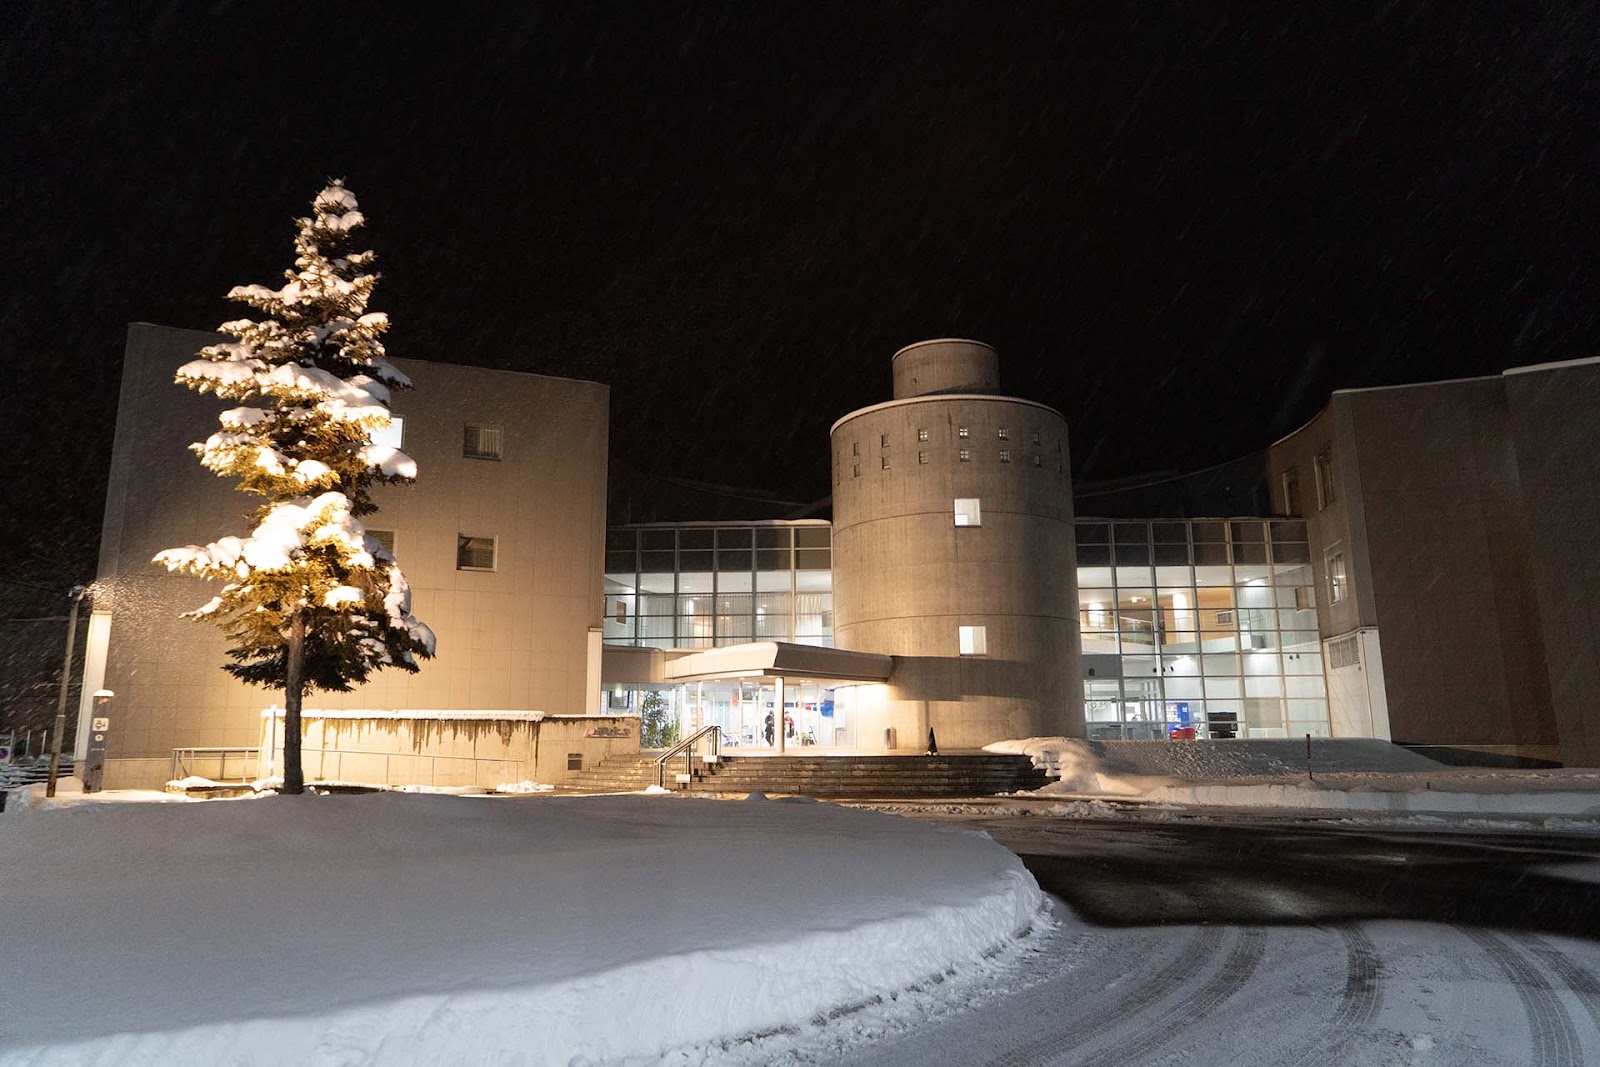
294 779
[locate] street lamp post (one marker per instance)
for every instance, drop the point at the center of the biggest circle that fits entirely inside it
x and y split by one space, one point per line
76 596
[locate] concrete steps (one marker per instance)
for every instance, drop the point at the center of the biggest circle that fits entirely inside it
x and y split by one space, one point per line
945 775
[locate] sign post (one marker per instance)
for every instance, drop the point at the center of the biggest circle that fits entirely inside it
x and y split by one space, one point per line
94 763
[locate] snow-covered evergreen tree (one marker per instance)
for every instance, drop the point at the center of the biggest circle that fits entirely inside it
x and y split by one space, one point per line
311 601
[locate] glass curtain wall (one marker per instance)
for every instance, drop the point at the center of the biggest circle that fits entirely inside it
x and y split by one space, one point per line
702 586
1213 624
1202 627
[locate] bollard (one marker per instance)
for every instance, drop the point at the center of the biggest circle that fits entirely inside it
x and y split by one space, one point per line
94 762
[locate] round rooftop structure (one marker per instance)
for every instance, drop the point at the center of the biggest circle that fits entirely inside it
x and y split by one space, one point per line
945 365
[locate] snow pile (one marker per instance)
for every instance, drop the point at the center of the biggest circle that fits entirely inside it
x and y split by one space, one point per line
70 795
1213 761
1077 763
405 928
1356 775
1399 794
523 787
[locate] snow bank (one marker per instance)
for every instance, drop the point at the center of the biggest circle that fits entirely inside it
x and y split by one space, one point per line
411 928
1355 775
70 794
1215 760
1404 795
1077 763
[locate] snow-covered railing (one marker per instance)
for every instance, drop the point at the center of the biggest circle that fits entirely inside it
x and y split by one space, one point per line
509 770
687 747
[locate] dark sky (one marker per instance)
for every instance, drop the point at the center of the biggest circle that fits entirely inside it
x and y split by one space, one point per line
1182 224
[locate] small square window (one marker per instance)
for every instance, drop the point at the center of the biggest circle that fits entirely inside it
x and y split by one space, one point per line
961 431
855 470
922 457
965 455
480 441
1036 439
1005 455
384 538
968 512
922 434
392 435
474 553
1038 460
1004 434
883 440
885 462
574 761
855 448
974 640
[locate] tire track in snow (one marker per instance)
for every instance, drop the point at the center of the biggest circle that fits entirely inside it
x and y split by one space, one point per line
1193 955
1575 978
1555 1041
1236 971
1358 1006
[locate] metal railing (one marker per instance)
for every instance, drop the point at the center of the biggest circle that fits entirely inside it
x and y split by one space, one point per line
687 747
185 761
508 770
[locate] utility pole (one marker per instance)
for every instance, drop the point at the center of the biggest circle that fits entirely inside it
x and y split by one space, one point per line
76 596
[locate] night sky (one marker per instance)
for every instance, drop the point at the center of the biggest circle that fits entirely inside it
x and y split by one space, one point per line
1181 224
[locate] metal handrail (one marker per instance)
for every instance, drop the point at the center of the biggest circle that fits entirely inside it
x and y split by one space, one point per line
687 747
183 757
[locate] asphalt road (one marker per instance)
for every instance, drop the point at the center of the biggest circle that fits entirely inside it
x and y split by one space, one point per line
1132 873
1215 944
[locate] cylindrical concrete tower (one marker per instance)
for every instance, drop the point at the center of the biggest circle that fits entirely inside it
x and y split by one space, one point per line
945 366
953 552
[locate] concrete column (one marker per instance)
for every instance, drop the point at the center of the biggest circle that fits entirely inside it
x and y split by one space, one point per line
94 677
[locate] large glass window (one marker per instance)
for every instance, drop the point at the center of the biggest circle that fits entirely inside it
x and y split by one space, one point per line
1226 646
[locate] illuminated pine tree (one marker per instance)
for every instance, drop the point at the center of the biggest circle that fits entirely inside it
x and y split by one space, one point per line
311 601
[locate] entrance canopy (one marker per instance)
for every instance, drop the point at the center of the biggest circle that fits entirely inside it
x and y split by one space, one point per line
779 659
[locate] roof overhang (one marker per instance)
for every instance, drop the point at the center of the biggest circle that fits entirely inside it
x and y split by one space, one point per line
767 659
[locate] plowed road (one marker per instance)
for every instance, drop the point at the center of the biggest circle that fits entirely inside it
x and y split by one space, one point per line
1206 944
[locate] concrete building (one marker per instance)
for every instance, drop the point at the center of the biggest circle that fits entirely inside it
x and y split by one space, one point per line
1416 563
1454 542
952 550
501 538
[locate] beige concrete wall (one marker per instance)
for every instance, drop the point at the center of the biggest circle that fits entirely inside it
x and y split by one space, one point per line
906 577
515 638
1336 525
1430 516
456 752
1554 418
1447 552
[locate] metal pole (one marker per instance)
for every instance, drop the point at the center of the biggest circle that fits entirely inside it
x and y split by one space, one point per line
1309 776
76 596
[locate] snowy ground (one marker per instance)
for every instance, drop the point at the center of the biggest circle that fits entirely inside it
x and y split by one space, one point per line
398 928
1358 776
403 928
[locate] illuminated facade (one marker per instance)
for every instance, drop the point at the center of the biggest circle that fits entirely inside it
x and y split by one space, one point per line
1414 564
